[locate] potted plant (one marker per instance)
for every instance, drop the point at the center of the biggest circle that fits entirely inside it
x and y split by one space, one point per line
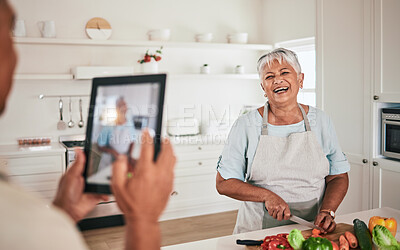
149 62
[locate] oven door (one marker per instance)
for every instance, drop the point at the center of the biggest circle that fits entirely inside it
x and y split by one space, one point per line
391 138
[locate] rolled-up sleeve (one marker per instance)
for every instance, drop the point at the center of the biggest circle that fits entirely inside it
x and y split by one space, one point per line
232 162
337 160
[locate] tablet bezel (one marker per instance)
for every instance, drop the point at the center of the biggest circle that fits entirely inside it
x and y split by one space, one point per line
121 80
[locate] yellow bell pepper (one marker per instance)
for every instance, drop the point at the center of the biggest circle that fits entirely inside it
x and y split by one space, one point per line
389 223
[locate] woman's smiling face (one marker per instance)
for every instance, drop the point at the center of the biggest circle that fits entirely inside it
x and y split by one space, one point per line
281 83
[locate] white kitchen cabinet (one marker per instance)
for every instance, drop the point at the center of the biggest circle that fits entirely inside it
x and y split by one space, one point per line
194 190
37 172
343 70
387 50
390 186
386 184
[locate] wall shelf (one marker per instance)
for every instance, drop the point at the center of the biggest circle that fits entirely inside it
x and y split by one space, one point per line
43 77
173 76
216 76
129 43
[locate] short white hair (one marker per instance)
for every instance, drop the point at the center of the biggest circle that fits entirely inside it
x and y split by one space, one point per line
280 54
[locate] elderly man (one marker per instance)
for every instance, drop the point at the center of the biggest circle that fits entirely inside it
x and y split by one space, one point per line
26 221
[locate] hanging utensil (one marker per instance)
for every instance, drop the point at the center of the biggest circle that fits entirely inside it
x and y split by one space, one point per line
80 123
71 123
61 124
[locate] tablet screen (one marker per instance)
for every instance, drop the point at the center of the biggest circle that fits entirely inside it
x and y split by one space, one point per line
119 114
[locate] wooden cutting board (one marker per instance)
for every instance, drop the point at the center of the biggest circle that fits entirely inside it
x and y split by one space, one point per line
341 228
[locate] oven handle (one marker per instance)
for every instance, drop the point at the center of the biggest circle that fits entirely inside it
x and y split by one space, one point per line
391 122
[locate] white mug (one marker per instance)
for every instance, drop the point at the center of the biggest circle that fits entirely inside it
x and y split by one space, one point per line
47 28
19 28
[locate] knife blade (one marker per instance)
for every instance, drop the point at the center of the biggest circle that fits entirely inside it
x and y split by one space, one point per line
303 222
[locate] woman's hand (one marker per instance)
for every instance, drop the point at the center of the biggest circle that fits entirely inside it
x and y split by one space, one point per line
325 221
277 207
70 196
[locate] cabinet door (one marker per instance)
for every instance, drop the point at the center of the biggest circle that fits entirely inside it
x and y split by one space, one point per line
343 67
389 189
387 50
36 174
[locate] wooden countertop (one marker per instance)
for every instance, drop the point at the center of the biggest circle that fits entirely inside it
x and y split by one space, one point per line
229 242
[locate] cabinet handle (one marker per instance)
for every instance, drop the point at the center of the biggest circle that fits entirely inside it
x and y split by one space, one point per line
200 163
375 163
365 161
200 148
174 193
376 97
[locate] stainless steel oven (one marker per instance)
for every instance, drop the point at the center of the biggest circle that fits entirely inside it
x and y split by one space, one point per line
391 132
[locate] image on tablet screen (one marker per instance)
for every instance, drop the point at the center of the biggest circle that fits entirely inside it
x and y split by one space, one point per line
120 114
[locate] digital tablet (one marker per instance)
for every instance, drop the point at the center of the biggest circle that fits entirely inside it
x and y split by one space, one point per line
120 108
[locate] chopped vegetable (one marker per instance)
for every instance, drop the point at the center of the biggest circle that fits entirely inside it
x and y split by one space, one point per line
296 239
389 223
383 238
317 243
276 242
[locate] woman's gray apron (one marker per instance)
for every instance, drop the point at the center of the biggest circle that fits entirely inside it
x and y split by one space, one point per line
292 167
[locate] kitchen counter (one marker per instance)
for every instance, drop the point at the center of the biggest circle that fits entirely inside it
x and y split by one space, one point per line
16 150
229 242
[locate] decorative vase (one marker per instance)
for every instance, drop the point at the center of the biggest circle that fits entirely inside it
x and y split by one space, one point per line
150 67
205 69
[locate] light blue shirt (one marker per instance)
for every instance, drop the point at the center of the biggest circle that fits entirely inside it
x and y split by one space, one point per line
238 154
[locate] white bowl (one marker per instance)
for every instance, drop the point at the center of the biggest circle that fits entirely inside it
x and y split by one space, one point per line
204 38
159 35
237 38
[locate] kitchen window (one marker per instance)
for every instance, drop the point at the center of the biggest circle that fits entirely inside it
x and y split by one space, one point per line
305 50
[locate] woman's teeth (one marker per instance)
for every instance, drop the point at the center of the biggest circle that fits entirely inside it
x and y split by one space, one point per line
283 89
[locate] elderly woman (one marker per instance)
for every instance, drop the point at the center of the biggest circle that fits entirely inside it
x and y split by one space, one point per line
283 158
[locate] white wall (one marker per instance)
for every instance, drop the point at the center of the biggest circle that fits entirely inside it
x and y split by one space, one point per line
26 115
287 20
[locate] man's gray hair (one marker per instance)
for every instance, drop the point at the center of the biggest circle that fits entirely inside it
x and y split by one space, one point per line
280 54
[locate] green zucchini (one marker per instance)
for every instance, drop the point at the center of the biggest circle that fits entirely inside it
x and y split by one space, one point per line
362 234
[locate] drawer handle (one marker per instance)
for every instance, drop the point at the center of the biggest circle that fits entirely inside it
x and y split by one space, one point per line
174 193
200 163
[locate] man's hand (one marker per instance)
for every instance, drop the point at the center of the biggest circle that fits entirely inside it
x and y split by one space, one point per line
70 196
144 195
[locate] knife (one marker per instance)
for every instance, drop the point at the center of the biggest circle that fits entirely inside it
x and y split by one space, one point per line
249 242
303 222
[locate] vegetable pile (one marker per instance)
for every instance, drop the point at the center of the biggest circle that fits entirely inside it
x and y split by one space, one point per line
276 242
381 232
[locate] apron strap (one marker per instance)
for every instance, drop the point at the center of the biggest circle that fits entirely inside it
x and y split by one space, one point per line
264 129
306 122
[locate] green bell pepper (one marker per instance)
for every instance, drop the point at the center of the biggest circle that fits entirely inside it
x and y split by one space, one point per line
317 243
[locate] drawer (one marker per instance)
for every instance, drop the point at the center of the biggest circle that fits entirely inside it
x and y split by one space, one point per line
37 183
182 149
47 195
199 153
189 188
33 165
198 167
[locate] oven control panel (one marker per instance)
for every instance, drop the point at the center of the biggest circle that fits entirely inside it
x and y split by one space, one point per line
391 116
